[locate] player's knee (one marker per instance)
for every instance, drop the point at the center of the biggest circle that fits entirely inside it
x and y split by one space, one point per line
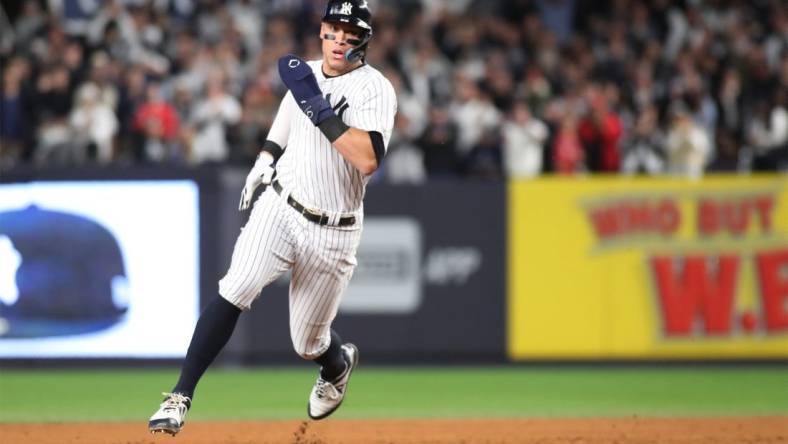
308 354
307 351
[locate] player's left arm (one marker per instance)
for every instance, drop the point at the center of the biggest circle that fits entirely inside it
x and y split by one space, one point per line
365 145
358 148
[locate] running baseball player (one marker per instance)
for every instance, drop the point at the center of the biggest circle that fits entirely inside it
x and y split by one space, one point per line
329 135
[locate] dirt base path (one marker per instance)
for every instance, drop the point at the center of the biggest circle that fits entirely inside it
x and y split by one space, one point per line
764 430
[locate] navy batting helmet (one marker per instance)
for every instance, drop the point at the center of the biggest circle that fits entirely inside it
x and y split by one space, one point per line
356 13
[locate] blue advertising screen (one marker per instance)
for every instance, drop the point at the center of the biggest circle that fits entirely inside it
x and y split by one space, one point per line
98 269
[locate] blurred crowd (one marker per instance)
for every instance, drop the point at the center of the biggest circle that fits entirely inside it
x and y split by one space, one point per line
486 88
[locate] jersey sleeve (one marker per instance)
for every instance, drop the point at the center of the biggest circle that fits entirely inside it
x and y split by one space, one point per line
280 129
377 109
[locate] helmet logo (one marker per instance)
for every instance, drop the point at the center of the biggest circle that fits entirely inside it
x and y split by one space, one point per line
346 9
293 63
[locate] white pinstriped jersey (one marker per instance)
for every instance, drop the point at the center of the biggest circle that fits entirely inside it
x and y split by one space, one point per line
316 174
277 238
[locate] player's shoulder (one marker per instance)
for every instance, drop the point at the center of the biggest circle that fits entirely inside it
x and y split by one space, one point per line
375 82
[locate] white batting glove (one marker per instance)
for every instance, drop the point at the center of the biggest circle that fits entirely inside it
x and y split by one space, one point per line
262 172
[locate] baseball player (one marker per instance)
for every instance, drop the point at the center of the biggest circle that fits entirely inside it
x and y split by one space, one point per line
329 135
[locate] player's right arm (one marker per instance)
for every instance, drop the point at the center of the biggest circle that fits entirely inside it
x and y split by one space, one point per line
263 170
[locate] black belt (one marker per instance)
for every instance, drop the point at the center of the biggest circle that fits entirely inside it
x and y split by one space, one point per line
311 216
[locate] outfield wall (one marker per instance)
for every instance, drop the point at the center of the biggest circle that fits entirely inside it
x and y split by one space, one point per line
603 268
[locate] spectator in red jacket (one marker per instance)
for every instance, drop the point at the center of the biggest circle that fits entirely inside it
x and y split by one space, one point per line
157 122
567 149
155 111
600 133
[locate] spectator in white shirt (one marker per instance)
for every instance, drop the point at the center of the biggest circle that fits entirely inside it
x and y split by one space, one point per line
211 118
94 123
688 146
523 143
473 112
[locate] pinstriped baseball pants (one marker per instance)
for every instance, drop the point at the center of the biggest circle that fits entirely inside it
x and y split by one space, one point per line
322 259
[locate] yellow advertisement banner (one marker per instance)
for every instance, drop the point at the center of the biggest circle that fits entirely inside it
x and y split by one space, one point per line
637 268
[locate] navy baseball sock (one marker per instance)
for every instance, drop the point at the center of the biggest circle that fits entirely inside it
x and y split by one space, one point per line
212 332
332 362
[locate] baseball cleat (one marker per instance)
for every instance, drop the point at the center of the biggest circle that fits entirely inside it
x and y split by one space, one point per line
171 414
327 396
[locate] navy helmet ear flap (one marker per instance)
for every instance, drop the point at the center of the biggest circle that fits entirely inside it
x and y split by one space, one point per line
360 51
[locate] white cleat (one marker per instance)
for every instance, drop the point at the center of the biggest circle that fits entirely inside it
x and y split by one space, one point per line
327 396
171 414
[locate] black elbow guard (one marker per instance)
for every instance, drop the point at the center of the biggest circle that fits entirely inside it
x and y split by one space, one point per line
378 146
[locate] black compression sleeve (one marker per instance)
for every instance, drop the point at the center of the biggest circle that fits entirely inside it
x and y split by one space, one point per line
333 127
273 148
213 330
378 146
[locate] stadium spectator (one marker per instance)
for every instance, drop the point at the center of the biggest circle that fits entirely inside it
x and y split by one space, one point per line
600 133
212 117
567 150
260 103
484 161
14 114
404 160
688 146
105 75
643 150
728 159
536 90
30 23
439 143
51 106
131 96
523 143
726 63
157 123
768 132
731 100
94 125
474 114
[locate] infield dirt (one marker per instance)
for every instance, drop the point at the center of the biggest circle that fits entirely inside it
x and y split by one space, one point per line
727 430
